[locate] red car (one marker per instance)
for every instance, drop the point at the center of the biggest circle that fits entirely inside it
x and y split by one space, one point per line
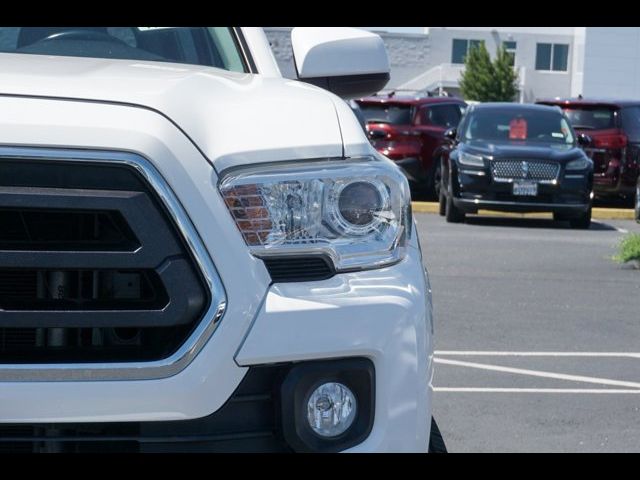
410 131
614 128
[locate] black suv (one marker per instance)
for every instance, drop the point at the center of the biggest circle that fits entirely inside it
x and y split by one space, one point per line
516 158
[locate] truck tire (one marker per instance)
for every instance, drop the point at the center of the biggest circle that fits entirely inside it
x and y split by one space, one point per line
436 442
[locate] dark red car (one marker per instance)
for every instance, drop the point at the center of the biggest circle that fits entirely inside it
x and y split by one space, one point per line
614 128
410 131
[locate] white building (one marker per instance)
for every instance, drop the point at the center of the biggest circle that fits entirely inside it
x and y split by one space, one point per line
551 61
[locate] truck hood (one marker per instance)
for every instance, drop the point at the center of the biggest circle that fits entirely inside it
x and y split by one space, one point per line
233 118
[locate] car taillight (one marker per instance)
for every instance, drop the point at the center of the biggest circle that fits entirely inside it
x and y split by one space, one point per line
618 140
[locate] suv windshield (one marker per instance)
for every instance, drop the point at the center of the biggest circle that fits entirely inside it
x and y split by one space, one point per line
210 46
517 125
393 114
591 118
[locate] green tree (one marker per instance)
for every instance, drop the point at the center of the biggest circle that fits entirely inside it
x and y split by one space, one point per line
487 81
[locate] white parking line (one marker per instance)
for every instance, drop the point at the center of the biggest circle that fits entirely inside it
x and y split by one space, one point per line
472 353
538 373
533 390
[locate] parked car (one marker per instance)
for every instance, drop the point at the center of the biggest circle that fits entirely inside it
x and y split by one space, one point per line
409 130
614 128
516 158
173 280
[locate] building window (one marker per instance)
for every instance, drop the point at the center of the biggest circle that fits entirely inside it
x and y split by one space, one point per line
510 48
552 56
461 48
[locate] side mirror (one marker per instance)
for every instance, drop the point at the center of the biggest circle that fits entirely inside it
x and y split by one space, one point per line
349 62
377 134
450 134
584 140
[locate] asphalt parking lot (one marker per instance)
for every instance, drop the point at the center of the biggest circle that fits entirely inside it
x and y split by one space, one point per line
537 335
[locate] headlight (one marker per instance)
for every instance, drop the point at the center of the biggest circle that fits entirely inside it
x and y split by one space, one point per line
578 164
356 211
471 160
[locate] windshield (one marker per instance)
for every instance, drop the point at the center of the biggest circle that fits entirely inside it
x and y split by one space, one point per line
591 118
518 125
210 46
393 114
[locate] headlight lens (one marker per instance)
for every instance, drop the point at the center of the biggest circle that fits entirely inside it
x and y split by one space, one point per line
356 211
471 160
578 164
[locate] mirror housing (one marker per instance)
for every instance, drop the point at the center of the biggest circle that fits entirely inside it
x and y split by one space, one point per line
377 134
450 134
349 62
584 140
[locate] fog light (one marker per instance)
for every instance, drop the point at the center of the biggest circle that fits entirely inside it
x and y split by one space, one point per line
331 409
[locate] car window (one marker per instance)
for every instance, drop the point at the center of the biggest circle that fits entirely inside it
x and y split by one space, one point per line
210 46
518 125
630 119
381 113
445 116
591 118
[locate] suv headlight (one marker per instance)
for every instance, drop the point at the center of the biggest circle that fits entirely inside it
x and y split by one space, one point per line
357 211
578 164
471 160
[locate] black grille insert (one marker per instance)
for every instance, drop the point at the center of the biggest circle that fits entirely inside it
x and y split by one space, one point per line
81 290
92 267
299 269
51 229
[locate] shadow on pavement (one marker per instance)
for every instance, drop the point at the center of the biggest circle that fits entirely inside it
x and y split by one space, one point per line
613 202
488 221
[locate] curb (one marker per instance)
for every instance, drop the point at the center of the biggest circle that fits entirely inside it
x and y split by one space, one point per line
597 213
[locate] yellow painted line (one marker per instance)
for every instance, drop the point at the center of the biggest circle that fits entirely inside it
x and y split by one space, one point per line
597 213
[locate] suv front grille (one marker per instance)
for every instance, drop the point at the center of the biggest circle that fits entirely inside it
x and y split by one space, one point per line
508 170
92 267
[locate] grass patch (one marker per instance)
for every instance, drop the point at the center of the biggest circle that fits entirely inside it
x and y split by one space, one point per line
628 249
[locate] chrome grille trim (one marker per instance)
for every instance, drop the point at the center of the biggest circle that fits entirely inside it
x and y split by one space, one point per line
509 170
130 370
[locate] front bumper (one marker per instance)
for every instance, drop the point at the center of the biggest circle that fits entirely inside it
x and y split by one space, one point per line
475 189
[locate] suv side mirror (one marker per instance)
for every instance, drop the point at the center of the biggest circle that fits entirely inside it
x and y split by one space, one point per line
450 134
584 140
377 134
349 62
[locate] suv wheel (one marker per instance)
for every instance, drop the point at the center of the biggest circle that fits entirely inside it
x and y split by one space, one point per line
582 222
442 198
436 178
452 213
436 442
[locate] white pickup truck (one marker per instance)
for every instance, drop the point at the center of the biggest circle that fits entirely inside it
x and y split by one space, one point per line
199 254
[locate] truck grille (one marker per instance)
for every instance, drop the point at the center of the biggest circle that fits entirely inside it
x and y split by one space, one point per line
92 268
508 170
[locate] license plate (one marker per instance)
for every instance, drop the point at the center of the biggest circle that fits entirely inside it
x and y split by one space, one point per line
526 189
